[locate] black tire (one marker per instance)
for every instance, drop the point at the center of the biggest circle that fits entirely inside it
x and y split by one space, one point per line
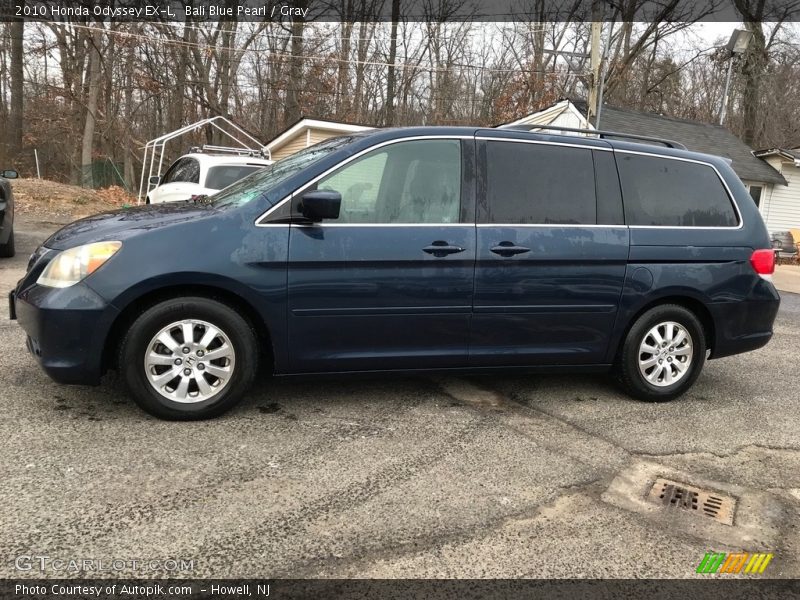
136 344
7 250
628 371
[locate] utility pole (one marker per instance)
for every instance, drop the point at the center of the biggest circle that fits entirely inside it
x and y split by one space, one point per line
594 60
603 70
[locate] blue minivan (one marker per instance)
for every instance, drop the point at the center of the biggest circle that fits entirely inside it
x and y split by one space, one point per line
413 249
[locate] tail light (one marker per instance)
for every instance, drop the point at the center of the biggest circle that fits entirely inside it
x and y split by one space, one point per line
763 262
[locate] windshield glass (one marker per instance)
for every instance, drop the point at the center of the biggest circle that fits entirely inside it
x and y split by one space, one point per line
252 186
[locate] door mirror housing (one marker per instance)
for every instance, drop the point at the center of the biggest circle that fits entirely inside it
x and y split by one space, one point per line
9 174
320 204
154 180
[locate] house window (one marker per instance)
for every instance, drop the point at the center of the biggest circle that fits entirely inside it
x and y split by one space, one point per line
755 193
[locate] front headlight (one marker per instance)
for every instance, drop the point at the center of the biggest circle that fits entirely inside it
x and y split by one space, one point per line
70 266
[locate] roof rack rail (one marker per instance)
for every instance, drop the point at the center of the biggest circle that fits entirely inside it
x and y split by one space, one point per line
228 150
600 134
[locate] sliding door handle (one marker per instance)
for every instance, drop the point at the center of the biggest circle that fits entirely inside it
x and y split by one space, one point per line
509 249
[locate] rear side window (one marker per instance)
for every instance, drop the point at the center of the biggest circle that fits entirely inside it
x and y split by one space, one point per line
224 175
185 170
538 184
673 193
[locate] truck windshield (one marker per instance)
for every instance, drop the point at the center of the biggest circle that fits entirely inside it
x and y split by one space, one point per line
252 186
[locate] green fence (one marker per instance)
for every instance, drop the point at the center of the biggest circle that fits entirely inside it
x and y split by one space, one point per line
103 173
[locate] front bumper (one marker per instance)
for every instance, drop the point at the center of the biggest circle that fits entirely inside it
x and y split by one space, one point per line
67 329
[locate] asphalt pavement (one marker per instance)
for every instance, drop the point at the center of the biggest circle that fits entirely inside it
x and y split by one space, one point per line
491 476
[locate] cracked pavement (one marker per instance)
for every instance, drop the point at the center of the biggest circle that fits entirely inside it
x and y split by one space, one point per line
491 476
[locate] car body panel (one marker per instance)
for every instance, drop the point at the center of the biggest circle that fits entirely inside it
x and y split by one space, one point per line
553 305
6 210
361 297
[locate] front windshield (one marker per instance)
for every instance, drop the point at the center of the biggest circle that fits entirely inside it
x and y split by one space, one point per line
252 186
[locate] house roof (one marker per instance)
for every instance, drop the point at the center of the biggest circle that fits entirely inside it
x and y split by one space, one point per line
789 154
305 123
696 136
549 114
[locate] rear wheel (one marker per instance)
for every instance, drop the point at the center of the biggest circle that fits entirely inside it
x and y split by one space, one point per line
7 250
663 354
188 358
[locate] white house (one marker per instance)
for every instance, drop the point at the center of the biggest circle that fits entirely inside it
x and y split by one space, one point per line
307 132
781 205
773 179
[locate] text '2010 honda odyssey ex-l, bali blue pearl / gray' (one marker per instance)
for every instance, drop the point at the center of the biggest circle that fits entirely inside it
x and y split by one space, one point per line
413 249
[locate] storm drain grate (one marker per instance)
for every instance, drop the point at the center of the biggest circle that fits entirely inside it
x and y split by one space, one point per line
672 494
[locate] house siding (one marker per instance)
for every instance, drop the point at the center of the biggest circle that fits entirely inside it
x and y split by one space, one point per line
294 144
303 139
781 208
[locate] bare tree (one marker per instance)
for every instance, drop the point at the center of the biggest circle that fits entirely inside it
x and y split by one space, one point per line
17 31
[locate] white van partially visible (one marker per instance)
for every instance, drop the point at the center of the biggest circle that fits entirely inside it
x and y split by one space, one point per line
199 174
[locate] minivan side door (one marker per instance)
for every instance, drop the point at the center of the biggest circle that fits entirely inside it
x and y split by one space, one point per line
552 251
387 285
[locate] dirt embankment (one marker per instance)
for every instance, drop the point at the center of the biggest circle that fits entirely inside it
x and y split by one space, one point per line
40 199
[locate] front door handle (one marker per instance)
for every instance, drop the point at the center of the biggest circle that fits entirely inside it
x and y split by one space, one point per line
440 249
509 249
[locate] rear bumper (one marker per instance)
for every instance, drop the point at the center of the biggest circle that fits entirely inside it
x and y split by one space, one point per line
66 329
745 325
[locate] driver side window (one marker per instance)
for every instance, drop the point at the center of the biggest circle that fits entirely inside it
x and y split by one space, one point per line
407 182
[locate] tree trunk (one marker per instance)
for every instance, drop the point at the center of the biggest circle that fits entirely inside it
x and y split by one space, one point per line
292 112
87 146
343 76
365 32
392 74
755 64
15 116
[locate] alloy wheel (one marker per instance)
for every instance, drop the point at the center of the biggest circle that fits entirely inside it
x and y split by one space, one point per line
665 354
189 361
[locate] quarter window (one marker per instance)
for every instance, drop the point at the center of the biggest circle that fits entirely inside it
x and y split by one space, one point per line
673 193
406 182
539 184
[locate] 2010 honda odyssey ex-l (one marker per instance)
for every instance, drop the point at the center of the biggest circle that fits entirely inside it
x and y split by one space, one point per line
413 249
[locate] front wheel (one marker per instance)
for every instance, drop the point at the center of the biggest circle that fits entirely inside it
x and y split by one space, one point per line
663 354
188 359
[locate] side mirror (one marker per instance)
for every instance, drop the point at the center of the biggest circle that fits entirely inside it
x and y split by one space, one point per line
154 180
320 204
9 174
